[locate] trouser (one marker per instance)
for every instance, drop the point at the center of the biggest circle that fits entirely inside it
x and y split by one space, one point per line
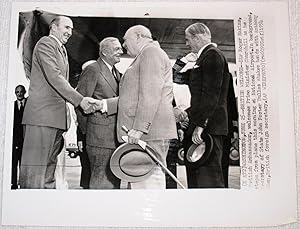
16 162
208 175
101 175
157 180
85 175
41 147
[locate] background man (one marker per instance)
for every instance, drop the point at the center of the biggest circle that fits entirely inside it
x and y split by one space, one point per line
208 82
45 114
18 135
100 80
145 100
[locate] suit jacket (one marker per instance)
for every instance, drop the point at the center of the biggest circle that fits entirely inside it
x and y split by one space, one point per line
49 88
146 94
97 81
208 82
231 108
18 127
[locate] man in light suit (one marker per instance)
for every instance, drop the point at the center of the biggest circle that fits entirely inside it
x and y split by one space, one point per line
145 100
45 114
208 82
18 135
100 80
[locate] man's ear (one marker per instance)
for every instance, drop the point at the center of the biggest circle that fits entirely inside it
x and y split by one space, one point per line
198 37
54 27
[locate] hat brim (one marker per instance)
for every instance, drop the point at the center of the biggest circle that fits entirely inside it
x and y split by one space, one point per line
197 154
131 163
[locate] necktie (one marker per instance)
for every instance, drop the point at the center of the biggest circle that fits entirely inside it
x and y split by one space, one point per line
114 72
21 106
64 51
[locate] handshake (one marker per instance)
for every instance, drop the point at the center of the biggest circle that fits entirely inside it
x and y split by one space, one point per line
91 105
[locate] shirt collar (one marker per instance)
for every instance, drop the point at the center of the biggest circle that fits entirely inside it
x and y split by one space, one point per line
107 64
55 38
21 101
201 50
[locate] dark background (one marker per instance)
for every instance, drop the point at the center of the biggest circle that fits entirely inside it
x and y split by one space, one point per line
89 31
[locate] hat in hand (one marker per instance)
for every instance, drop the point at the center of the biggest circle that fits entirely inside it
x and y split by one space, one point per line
198 154
132 163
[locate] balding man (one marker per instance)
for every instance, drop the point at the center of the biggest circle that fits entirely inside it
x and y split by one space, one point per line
45 114
100 80
145 100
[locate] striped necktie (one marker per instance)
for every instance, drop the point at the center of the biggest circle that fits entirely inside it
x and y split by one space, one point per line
114 72
64 51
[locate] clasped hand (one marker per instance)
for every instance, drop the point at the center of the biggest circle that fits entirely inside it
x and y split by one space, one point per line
91 105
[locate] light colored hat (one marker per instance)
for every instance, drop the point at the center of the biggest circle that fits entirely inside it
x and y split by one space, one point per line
132 163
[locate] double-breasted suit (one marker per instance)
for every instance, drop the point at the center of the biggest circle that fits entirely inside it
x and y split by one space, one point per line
97 81
45 114
208 82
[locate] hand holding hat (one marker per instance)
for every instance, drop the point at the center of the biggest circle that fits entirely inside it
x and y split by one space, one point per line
134 136
200 151
135 162
196 138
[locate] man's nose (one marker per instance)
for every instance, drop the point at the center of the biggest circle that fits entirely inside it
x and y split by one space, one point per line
69 32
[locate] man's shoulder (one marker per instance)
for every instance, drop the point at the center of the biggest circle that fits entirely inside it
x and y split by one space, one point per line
213 52
154 50
46 40
92 67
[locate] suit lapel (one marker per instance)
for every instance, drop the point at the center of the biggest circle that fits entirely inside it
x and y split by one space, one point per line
65 58
107 75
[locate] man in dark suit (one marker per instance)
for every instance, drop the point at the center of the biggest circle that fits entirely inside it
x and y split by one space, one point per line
45 114
208 81
18 136
100 80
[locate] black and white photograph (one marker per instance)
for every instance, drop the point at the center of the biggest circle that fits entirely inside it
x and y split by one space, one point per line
146 112
96 164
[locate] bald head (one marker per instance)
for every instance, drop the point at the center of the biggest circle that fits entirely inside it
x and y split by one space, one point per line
135 37
61 27
140 31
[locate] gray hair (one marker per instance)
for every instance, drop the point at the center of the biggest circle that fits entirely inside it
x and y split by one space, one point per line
105 43
198 28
